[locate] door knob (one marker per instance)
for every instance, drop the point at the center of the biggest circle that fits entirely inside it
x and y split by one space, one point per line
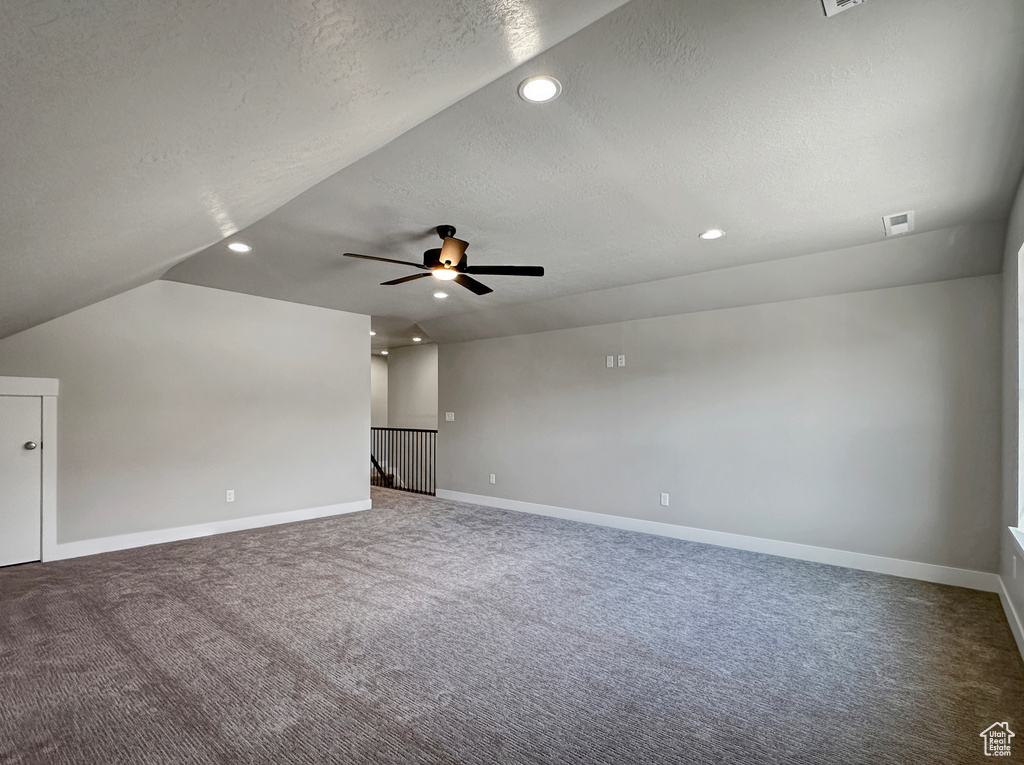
30 445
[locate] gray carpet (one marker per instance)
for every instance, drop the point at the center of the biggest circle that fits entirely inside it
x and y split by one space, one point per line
426 631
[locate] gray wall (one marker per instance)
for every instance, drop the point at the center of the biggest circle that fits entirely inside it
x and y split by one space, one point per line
866 422
1011 397
172 394
378 392
412 387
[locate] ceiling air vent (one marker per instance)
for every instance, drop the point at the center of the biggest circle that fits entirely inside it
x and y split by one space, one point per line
832 7
898 223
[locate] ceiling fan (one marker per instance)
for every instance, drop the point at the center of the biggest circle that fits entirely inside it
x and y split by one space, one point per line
448 263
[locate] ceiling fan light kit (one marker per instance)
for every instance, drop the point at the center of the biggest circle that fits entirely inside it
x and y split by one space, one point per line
448 263
452 249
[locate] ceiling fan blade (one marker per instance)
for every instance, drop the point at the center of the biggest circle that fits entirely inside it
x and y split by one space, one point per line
383 260
452 250
472 284
505 270
404 279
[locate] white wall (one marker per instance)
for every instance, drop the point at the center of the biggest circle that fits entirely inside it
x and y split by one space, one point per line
171 394
378 392
412 387
865 422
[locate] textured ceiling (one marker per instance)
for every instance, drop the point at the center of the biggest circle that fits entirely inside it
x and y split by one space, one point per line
143 136
952 253
793 132
135 134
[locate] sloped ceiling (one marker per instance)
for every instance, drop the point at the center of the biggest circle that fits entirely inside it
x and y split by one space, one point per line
135 134
793 132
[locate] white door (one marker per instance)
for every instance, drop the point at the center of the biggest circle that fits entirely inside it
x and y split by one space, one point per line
21 470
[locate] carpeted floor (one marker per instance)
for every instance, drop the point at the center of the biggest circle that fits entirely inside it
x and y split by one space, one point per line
426 631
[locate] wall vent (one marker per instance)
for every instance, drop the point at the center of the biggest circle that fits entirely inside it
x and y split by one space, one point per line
832 7
898 223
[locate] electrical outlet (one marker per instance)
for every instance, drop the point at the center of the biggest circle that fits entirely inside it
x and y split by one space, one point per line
449 416
609 361
664 500
230 496
622 359
492 477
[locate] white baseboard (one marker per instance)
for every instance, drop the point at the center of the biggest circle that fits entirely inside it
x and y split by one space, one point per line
928 572
1012 616
143 538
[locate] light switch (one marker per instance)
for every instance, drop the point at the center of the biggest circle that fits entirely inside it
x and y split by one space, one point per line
610 361
449 416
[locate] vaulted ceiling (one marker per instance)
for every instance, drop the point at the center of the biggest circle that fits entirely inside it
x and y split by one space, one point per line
139 140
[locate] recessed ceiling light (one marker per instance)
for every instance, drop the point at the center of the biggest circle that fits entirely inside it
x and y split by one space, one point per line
383 353
372 333
713 233
440 295
417 339
239 247
539 89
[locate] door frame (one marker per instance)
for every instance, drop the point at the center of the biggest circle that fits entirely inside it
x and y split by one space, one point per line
46 388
